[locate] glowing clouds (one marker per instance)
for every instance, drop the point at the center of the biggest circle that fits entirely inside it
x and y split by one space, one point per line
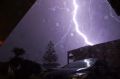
77 26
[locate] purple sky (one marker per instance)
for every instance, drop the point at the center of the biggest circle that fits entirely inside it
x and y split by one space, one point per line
53 20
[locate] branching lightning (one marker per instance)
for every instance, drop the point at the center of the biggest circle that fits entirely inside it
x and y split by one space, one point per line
76 24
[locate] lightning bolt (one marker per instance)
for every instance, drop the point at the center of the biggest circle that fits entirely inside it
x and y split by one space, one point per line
77 26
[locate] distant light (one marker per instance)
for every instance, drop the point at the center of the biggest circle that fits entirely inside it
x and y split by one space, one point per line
1 42
80 74
87 62
81 68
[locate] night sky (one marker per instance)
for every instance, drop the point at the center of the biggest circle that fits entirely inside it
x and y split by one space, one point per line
53 20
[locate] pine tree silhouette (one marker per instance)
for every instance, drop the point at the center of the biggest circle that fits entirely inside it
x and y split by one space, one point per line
50 56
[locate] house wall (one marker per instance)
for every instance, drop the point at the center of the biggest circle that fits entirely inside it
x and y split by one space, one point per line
109 52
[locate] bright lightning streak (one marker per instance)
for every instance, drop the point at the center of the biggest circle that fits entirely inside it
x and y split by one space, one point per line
77 26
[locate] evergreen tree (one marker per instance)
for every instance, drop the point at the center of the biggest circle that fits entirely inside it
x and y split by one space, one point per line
18 51
50 56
